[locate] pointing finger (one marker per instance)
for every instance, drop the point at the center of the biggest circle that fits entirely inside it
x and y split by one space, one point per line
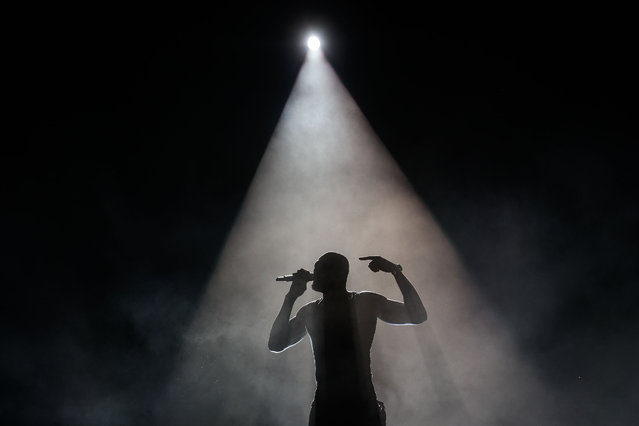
369 257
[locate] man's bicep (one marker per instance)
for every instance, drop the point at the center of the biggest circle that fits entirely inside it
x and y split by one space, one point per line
389 311
296 329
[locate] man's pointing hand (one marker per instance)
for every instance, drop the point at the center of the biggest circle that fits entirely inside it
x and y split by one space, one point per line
378 263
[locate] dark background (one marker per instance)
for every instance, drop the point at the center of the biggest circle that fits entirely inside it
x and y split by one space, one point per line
133 135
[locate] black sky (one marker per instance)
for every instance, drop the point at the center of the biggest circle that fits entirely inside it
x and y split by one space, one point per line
133 135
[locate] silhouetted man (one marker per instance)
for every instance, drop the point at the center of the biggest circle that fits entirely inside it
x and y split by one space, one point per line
341 325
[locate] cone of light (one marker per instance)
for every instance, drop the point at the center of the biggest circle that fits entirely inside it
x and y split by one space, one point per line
326 183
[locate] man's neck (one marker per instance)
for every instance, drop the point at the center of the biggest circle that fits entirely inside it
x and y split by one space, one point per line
335 295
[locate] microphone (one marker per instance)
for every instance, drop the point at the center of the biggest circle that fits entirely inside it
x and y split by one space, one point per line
308 277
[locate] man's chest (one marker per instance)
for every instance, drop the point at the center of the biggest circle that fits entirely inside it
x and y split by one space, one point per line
341 321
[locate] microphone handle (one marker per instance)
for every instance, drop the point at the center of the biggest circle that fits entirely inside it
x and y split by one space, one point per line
289 278
284 278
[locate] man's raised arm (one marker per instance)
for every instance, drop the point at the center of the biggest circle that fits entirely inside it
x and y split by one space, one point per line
285 332
412 311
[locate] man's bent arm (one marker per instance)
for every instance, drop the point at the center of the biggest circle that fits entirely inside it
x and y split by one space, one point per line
412 311
412 302
285 332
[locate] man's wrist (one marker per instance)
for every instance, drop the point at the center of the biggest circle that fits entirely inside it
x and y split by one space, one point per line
397 270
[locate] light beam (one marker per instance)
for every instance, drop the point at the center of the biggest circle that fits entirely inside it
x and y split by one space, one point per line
326 183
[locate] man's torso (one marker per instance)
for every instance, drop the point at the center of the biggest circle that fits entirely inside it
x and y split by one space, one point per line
341 334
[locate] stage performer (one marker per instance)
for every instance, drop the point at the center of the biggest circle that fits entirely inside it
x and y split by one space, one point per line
341 326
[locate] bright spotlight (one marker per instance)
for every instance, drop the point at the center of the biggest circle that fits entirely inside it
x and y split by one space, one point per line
326 182
313 43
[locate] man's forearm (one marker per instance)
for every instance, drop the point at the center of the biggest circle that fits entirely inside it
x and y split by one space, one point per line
279 332
412 301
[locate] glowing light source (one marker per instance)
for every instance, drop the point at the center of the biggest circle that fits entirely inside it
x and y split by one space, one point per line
313 43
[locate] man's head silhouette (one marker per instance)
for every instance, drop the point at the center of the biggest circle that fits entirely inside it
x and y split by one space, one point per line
330 273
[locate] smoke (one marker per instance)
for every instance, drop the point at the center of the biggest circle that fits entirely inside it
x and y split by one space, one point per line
564 288
326 183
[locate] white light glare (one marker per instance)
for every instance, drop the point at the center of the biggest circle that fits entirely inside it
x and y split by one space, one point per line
313 43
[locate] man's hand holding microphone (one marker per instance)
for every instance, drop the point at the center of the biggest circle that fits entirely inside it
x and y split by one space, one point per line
299 281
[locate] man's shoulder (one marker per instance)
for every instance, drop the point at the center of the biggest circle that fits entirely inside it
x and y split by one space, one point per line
369 296
369 300
308 308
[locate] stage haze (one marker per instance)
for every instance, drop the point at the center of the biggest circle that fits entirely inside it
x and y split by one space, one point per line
327 183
